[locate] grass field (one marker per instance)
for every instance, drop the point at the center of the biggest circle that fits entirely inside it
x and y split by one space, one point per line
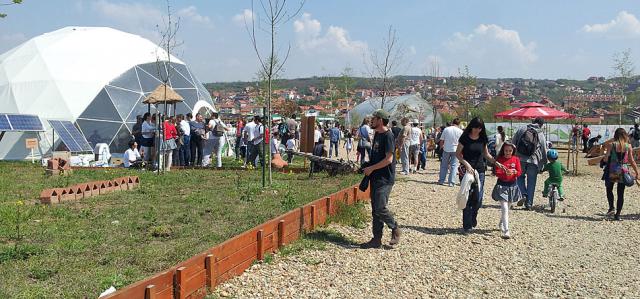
79 249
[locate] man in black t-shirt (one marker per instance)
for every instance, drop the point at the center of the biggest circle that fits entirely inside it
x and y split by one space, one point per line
381 172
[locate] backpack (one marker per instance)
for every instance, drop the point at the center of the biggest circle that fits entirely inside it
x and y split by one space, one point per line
283 129
218 130
528 142
492 145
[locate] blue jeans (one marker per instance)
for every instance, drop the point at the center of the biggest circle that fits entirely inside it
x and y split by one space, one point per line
470 213
380 214
449 163
332 145
530 174
184 153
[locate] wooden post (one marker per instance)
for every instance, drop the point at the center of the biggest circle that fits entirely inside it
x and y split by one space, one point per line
209 264
329 207
281 233
313 217
180 280
355 194
150 292
260 244
301 220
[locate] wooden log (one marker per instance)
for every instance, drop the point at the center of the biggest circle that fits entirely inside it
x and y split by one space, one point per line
329 206
210 263
314 215
355 194
281 233
150 292
260 237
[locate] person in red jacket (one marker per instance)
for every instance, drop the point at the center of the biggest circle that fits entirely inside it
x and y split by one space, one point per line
506 190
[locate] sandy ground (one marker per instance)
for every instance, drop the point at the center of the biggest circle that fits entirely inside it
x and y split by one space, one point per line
579 253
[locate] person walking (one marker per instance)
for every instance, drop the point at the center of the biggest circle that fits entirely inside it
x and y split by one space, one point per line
449 143
257 141
506 190
334 139
217 136
238 135
364 142
170 136
617 164
197 137
248 135
404 142
348 145
531 148
473 154
381 173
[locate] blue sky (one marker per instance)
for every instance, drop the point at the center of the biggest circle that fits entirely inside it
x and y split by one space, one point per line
530 39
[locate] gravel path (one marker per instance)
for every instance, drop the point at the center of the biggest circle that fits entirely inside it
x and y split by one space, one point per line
574 254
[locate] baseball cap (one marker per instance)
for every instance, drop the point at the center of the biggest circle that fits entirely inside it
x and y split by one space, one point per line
381 114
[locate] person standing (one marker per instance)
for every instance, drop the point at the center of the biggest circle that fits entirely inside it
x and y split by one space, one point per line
148 132
404 142
170 136
364 140
334 139
258 140
586 134
136 131
197 137
217 136
635 136
238 143
449 161
395 129
531 148
248 134
501 138
617 163
381 173
415 137
185 131
472 151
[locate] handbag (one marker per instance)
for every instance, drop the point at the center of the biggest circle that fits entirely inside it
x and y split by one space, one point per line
616 167
627 179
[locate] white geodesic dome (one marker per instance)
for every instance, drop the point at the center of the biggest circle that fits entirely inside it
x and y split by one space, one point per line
410 106
95 77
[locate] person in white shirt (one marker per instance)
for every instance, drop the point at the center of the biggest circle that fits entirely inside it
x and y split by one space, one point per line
317 134
449 163
148 134
248 135
185 149
415 137
291 145
131 155
257 141
217 138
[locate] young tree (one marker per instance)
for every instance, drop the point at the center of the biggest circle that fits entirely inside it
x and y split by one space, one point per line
12 2
276 13
624 68
346 84
384 64
465 84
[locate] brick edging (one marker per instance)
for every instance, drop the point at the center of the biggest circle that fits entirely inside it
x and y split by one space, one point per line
232 257
86 190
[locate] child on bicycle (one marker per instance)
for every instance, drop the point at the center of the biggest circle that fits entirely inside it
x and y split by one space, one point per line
506 190
555 169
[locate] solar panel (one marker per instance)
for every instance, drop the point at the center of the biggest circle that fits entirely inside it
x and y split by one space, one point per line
20 122
4 123
70 136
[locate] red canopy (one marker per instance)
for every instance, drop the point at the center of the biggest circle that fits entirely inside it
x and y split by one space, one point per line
533 110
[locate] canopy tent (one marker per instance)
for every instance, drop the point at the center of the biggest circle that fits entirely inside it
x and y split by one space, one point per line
533 110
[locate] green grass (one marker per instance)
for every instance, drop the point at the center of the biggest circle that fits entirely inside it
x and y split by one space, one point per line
80 248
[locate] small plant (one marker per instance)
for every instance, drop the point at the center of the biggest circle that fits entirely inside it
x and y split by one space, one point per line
351 215
288 202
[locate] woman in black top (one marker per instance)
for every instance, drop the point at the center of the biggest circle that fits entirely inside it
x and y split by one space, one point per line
472 152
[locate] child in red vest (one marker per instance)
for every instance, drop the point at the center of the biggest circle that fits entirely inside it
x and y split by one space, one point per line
506 190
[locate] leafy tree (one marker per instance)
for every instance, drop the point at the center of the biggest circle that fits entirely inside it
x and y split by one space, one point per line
3 15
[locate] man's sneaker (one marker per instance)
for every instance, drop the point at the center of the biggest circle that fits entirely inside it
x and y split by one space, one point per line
451 184
466 231
440 183
404 173
395 236
521 202
561 198
528 208
506 235
373 243
611 213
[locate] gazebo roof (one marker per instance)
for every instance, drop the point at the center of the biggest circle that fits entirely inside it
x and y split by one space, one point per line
158 96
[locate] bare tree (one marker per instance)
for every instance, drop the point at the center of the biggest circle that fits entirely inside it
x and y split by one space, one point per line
168 43
624 69
346 82
12 2
276 13
383 65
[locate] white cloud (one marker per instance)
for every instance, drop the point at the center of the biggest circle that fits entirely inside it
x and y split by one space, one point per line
133 17
190 13
243 18
491 47
625 25
336 39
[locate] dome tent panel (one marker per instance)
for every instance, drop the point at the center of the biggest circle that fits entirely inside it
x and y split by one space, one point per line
190 96
183 70
98 131
121 140
102 108
128 80
124 100
148 81
156 70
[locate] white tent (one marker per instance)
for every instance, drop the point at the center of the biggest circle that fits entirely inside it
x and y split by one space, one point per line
96 77
411 106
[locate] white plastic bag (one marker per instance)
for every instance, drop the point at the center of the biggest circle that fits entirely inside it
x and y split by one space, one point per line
465 186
